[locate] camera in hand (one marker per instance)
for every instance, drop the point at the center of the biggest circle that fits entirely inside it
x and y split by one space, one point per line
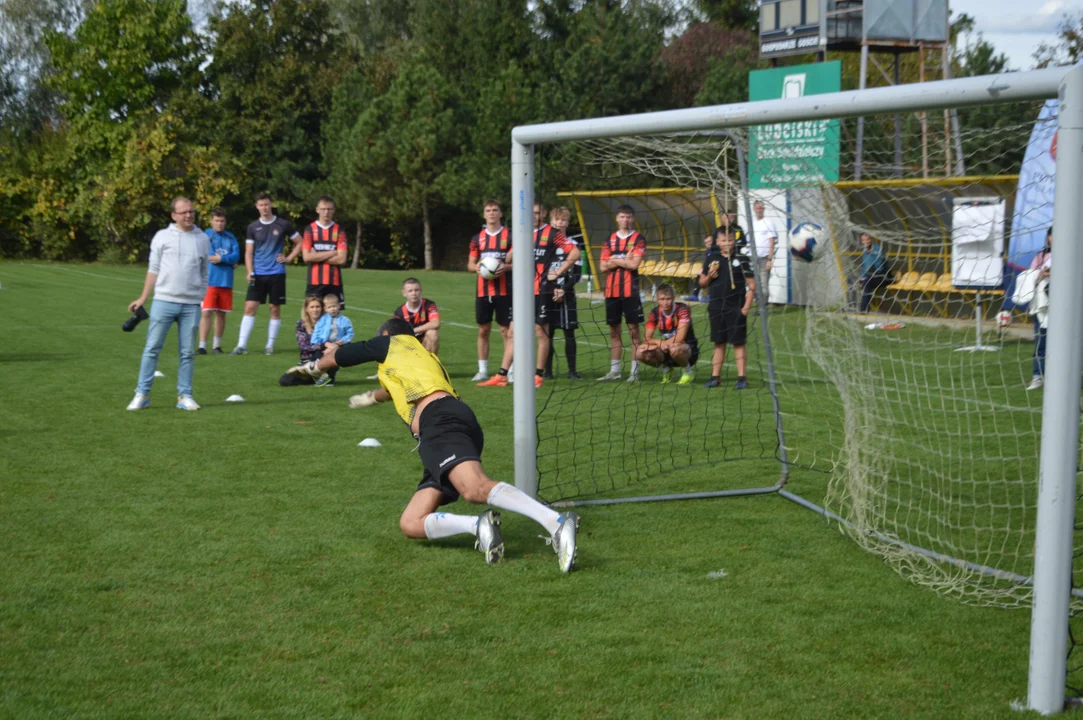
137 317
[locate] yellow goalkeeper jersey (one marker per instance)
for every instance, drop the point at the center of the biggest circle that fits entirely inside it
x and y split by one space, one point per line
409 373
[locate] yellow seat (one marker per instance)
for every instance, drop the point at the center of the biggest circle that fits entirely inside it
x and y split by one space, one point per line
647 267
907 282
926 281
668 270
943 283
688 270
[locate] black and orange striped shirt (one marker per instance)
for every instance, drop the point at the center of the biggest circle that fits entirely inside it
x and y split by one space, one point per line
425 312
484 245
621 283
322 239
547 240
668 325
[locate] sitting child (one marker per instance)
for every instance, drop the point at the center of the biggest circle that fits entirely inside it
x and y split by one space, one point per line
311 311
332 329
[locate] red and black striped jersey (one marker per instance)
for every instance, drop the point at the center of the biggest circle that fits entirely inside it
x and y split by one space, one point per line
321 239
621 283
668 325
547 240
484 245
425 312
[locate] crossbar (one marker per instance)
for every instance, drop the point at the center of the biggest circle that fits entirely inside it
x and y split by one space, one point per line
959 92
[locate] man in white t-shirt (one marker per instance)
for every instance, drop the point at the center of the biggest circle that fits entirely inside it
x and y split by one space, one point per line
766 238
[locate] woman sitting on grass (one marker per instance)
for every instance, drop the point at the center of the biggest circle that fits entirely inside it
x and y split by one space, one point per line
310 315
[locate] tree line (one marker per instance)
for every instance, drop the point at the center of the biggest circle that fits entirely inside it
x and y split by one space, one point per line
399 109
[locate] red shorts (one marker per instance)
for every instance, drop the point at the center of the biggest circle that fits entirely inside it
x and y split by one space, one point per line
218 298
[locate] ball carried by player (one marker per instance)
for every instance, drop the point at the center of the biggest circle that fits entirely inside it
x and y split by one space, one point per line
487 267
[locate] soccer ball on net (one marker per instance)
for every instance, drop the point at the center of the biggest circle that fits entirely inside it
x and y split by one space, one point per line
805 242
487 267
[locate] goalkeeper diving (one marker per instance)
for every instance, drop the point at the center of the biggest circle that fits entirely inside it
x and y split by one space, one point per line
450 442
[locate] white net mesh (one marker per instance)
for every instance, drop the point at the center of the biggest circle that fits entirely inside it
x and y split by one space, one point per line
898 413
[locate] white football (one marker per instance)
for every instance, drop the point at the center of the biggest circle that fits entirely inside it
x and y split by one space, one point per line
488 267
807 242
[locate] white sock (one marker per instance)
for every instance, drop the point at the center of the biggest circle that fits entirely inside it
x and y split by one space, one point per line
688 369
511 498
272 332
247 323
441 525
217 341
635 367
202 344
614 366
483 367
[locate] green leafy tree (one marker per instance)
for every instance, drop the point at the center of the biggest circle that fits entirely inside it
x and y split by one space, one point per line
1068 49
26 99
730 14
708 64
274 69
129 78
403 142
610 62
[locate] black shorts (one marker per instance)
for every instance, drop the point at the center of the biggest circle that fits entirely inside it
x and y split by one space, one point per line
486 307
449 434
631 308
322 291
728 325
267 288
543 309
692 359
564 314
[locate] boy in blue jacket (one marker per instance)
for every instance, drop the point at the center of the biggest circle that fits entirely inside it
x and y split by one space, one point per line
225 253
332 329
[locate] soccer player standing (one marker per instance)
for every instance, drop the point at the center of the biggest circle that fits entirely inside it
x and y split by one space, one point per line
450 443
621 256
225 252
264 242
493 296
732 286
324 249
548 241
566 313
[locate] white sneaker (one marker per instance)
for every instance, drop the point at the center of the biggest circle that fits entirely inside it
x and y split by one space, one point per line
634 377
1035 384
139 402
480 377
269 350
611 375
490 541
563 541
376 377
185 402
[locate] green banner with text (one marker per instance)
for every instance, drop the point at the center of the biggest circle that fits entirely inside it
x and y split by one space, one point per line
794 153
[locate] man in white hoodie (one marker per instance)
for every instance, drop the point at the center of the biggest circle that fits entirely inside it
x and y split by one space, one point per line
177 272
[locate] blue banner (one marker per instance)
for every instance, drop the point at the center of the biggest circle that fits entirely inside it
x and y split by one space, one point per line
1033 212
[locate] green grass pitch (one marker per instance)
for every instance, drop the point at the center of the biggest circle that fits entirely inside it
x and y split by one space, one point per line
245 560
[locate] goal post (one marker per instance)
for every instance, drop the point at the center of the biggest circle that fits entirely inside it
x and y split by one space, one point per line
1061 403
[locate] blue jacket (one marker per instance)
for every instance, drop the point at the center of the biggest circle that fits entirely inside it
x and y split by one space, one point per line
322 332
224 244
873 261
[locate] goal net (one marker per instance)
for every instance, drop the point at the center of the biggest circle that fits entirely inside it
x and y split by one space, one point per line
888 377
